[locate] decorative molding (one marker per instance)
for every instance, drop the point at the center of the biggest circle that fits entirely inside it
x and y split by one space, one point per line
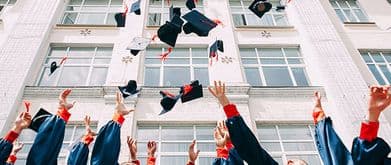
266 34
127 59
227 60
85 32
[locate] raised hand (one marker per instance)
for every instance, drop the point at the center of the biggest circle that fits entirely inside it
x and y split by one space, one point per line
151 148
87 123
120 106
219 92
192 154
63 104
17 147
132 144
379 100
318 113
221 135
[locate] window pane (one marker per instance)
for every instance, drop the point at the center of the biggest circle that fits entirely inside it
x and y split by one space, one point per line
253 77
82 51
249 61
294 132
350 16
96 2
205 147
116 2
111 19
175 147
153 52
173 159
340 15
270 52
98 76
267 132
291 52
178 61
199 52
47 80
78 61
200 61
148 133
300 76
202 75
27 135
271 147
376 73
75 2
295 61
73 76
177 133
179 52
204 133
272 61
366 58
152 76
377 57
58 52
277 76
70 18
153 61
102 61
68 133
154 19
238 19
386 72
102 51
360 15
387 56
280 20
244 52
91 18
266 20
206 160
176 76
299 146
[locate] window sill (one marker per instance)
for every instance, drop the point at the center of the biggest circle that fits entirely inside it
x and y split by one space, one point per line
90 26
360 24
254 27
152 27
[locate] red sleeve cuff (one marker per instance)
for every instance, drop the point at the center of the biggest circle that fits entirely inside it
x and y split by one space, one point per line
369 131
222 153
151 160
137 162
229 145
87 139
11 136
118 118
316 116
190 163
64 114
11 159
231 111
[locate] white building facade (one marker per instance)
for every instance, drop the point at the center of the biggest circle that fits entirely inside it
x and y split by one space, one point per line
271 66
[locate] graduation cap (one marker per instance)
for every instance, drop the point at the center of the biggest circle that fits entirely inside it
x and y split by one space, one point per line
279 8
136 8
38 119
216 46
190 4
260 7
168 33
129 89
191 91
198 23
54 66
120 18
138 44
174 11
168 101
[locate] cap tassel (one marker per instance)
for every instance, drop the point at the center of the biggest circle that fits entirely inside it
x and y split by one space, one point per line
218 22
63 60
187 88
289 1
213 55
164 56
126 9
168 94
196 1
154 37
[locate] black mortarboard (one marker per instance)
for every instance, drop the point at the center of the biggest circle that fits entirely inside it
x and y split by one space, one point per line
136 8
38 119
129 89
190 4
279 8
53 67
168 33
220 45
191 91
198 23
254 7
120 18
168 101
138 44
174 11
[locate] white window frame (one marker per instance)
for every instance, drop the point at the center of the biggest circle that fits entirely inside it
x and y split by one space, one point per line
162 65
377 64
245 11
259 65
110 9
91 65
284 154
350 8
6 4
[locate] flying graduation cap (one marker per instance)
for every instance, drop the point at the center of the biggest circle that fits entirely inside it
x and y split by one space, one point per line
136 8
54 66
168 33
260 7
138 44
190 4
120 18
129 89
198 23
38 119
191 91
168 101
174 11
214 48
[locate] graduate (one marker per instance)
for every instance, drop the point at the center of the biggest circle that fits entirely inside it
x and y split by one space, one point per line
108 142
367 148
79 152
226 153
151 149
15 149
241 136
47 144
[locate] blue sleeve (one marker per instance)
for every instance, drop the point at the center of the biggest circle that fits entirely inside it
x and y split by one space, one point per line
107 145
330 147
246 143
5 150
234 157
78 154
365 152
48 142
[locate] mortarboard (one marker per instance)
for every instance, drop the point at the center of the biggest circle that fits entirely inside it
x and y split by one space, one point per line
191 91
168 101
174 11
136 8
168 33
190 4
260 7
279 8
38 119
129 89
220 45
120 18
198 23
54 66
138 44
217 45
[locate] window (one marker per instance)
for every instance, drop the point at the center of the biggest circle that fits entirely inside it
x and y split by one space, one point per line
159 10
5 3
274 67
85 66
182 66
95 12
286 142
379 63
173 142
73 134
348 11
242 16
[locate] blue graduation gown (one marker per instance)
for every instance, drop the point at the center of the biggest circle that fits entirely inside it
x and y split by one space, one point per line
48 142
233 159
5 150
79 154
107 145
374 153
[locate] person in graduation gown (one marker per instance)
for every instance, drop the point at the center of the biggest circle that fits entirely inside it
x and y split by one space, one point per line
151 149
226 153
47 144
108 142
15 149
367 148
80 151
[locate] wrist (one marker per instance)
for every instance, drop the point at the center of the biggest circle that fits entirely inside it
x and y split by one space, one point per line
17 129
223 100
373 116
133 157
151 154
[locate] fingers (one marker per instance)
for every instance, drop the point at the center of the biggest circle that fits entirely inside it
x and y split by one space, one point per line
215 82
191 147
223 88
64 94
128 140
27 105
118 96
198 152
211 91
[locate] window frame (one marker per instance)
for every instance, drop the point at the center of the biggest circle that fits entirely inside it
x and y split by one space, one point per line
377 64
6 4
351 9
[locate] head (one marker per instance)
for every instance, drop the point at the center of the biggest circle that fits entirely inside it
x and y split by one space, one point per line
261 7
296 162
